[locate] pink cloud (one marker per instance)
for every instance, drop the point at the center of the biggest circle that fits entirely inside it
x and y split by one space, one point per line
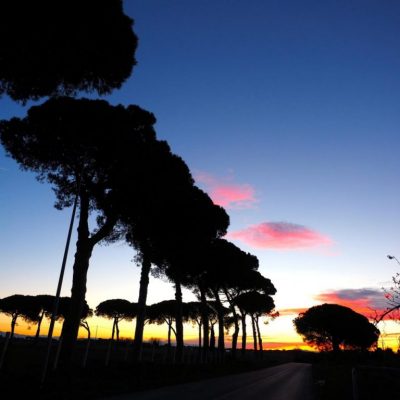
227 194
279 235
369 302
366 301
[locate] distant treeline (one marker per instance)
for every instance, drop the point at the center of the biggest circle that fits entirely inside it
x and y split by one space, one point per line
33 309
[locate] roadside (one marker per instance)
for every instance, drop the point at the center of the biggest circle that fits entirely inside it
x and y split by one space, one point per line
372 380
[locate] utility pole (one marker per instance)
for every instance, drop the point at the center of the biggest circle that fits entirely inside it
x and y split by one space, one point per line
57 298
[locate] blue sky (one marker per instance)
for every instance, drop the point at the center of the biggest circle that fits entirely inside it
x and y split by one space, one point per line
297 100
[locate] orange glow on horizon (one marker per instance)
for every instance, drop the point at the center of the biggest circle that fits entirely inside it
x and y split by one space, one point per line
280 339
151 332
291 311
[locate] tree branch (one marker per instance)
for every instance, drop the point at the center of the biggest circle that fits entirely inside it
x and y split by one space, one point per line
104 231
388 311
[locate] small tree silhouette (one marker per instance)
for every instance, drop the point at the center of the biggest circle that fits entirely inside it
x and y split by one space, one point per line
18 305
331 326
220 258
231 271
194 316
163 312
117 310
45 303
255 304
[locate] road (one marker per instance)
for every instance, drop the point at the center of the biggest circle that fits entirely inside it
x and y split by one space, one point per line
290 381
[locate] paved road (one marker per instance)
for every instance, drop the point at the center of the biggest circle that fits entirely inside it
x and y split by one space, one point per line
290 381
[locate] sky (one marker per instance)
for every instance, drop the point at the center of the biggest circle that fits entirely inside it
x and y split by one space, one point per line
287 114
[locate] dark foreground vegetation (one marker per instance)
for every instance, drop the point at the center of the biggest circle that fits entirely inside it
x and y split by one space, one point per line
349 375
342 375
157 368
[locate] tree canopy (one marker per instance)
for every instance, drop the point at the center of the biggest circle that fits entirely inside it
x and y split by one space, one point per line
18 305
255 303
60 48
230 271
65 140
117 310
82 147
45 304
165 312
65 305
331 327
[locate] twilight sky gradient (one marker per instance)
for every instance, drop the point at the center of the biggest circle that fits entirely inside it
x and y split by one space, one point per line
288 115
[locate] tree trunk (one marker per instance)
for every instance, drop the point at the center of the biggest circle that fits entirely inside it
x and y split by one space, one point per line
199 324
172 328
113 329
235 334
169 335
260 343
78 291
84 324
221 330
253 326
178 322
38 327
13 323
84 249
204 319
117 329
83 253
335 344
244 333
212 337
141 307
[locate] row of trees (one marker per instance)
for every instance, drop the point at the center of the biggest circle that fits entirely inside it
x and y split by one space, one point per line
33 309
164 312
109 159
326 326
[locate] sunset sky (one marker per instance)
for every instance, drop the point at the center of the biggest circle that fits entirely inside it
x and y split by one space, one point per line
288 115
